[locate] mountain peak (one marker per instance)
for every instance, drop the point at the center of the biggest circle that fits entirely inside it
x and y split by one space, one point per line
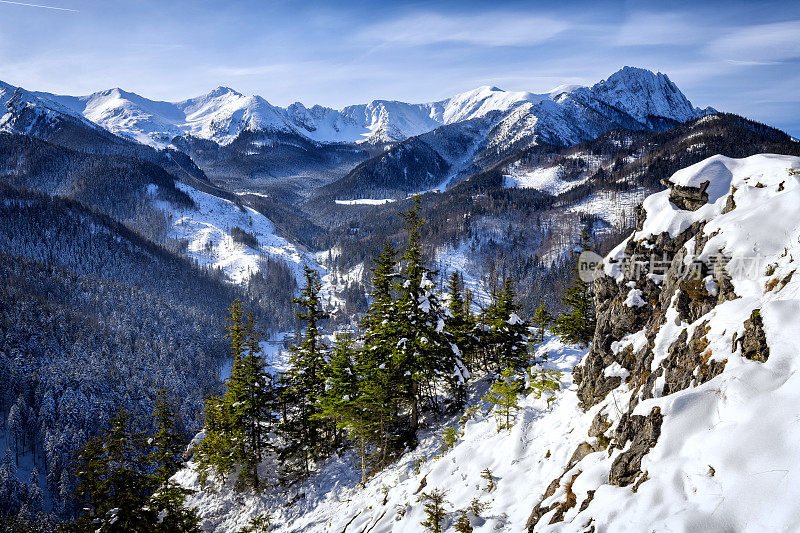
222 91
644 94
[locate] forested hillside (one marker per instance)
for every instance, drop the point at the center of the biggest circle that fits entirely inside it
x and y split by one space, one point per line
224 315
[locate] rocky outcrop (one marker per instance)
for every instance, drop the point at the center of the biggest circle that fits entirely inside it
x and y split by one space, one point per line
642 432
688 198
753 342
656 268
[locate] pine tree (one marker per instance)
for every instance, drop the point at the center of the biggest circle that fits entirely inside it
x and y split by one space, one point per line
111 482
215 453
304 382
169 513
423 352
503 334
503 396
542 319
378 360
350 400
234 423
435 512
459 321
10 488
168 442
35 501
577 324
249 397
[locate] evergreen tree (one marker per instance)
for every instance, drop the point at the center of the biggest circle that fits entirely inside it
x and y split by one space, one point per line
234 423
304 382
503 334
435 512
542 319
351 400
423 352
10 489
503 396
35 499
214 454
459 320
168 442
166 506
249 397
377 362
577 324
111 482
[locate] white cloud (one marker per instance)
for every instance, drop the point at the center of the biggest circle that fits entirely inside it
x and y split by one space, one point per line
487 29
765 43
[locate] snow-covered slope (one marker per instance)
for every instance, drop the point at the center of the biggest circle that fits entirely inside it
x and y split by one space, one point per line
693 379
220 115
631 98
26 113
526 456
682 415
207 228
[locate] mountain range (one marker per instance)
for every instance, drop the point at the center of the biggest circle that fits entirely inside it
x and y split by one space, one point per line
642 97
247 144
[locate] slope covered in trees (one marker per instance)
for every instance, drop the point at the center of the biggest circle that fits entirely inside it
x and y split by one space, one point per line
94 318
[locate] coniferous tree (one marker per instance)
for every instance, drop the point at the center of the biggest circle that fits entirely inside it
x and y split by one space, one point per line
542 319
249 396
577 324
351 401
459 320
503 332
168 442
168 512
111 483
234 423
304 382
423 352
503 396
435 512
378 361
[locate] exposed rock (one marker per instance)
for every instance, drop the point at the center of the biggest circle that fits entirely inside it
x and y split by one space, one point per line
643 432
754 340
688 362
561 507
688 198
599 425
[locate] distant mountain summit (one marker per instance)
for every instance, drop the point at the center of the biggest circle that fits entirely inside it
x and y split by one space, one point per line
631 97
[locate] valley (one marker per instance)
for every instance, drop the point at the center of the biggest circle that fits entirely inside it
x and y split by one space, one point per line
403 262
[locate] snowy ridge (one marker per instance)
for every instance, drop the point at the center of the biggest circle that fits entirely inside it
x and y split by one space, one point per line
724 458
566 114
24 112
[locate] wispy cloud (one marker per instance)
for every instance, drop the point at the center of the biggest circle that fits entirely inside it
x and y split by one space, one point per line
761 44
486 29
55 8
657 28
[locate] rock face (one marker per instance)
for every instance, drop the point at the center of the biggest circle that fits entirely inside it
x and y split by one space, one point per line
659 329
754 341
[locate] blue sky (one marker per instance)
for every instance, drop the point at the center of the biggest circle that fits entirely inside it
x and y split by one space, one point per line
742 57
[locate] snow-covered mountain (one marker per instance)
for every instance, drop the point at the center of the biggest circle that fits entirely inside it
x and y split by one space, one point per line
681 416
568 113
